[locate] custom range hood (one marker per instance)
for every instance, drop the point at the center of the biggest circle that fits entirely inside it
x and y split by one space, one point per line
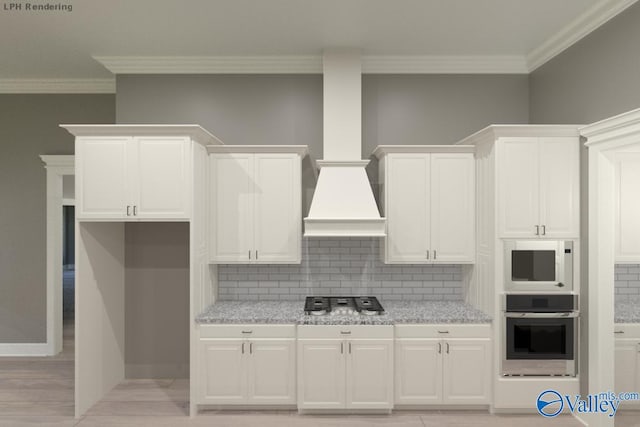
343 203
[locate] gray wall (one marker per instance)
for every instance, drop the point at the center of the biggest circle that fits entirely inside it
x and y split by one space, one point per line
157 300
596 78
287 109
29 127
438 109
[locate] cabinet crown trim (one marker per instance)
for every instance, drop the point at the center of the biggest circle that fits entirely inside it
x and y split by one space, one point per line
493 132
195 132
382 150
302 150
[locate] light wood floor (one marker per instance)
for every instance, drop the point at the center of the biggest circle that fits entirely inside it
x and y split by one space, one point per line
39 391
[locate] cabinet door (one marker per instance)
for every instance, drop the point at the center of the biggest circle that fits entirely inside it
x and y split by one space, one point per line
102 177
452 207
271 371
559 187
321 374
231 210
518 184
277 214
223 379
162 168
627 205
369 374
407 208
626 368
467 371
418 371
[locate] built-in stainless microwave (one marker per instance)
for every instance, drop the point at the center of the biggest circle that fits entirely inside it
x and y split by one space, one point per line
538 266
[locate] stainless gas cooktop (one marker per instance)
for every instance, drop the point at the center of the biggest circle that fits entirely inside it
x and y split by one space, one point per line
349 306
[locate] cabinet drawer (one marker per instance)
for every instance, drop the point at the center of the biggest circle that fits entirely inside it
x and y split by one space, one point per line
627 330
345 331
443 331
247 331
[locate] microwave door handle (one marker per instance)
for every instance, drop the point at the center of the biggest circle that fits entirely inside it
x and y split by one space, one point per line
570 315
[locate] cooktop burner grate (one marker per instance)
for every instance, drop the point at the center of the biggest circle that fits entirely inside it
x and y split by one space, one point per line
342 305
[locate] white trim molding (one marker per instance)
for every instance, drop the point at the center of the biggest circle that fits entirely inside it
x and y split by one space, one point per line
409 64
576 30
36 86
443 64
25 350
57 167
291 64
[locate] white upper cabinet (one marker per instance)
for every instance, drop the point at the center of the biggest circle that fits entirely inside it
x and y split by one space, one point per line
429 203
627 208
136 172
255 205
163 166
539 187
102 186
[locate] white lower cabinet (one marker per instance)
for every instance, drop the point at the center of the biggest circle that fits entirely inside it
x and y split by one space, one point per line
247 364
442 364
348 367
627 361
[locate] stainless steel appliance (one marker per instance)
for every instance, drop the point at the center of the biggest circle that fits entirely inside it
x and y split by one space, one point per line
538 266
347 306
540 335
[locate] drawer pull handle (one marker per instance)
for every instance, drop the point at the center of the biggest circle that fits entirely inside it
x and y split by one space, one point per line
443 332
618 332
345 332
247 332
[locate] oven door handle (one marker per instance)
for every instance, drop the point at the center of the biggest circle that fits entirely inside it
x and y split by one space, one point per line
569 315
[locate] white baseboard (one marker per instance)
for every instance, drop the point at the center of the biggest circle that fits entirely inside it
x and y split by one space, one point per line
25 349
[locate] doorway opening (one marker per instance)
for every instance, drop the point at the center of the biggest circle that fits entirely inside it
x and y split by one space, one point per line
68 263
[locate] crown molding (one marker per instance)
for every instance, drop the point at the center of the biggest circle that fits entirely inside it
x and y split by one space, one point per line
302 64
579 28
443 64
57 85
409 64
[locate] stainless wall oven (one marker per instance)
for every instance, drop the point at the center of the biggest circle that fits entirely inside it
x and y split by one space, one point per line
540 335
538 266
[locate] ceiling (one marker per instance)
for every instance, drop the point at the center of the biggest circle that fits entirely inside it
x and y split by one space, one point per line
159 36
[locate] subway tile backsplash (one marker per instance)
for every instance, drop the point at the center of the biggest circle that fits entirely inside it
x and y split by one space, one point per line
627 280
340 266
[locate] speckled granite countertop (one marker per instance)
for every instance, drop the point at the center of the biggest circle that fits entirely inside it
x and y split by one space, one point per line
627 310
252 312
397 312
434 312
